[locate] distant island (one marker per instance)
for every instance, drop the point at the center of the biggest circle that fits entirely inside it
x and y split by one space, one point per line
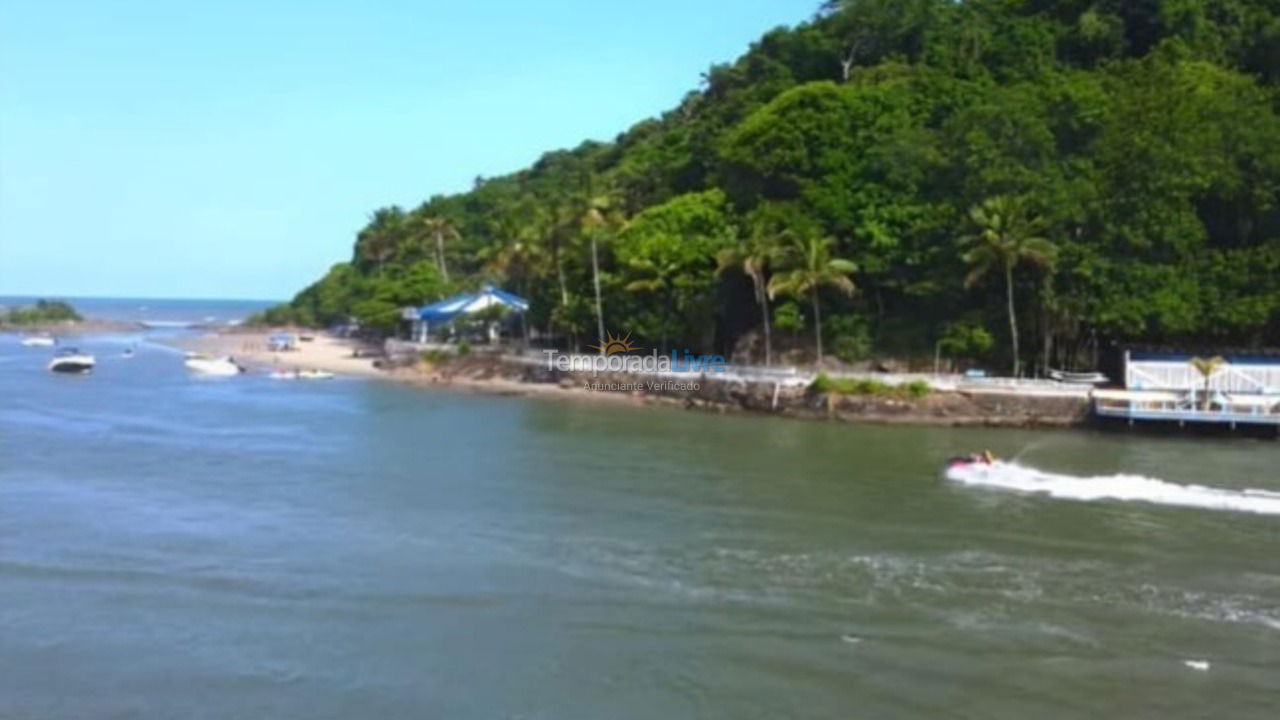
43 313
1009 184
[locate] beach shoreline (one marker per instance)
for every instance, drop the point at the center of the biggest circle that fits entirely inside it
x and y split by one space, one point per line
338 356
250 349
490 374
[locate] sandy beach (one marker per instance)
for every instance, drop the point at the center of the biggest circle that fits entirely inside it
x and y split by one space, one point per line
335 355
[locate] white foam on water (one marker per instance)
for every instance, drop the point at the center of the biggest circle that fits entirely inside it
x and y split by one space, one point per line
1132 488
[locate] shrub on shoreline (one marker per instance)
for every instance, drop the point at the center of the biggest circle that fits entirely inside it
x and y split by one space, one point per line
869 387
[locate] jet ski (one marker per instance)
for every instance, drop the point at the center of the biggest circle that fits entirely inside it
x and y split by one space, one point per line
976 459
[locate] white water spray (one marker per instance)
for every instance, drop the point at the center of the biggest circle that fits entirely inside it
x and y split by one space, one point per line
1132 488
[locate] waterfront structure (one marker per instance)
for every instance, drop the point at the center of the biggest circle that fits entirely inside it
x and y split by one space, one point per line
282 342
1230 389
463 304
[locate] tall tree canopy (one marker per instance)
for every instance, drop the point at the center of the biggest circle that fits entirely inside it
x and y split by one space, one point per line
1145 135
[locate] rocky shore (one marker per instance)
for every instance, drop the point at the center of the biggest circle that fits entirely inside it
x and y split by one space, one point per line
984 407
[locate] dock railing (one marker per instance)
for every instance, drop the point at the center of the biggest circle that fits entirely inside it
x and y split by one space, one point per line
791 376
1189 407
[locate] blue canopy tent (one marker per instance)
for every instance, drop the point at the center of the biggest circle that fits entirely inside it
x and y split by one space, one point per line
282 342
451 308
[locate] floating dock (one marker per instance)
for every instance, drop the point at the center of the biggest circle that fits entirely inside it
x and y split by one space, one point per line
1183 408
1170 387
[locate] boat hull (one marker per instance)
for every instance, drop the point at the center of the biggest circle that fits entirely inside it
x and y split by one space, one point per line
71 365
221 368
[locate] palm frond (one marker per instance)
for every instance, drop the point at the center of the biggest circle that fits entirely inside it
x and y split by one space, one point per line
975 275
843 284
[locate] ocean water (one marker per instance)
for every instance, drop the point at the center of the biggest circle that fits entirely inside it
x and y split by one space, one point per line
178 547
151 310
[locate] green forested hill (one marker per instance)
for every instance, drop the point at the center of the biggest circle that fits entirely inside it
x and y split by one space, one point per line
904 171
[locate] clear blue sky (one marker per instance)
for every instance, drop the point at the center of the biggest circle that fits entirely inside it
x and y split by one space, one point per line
232 148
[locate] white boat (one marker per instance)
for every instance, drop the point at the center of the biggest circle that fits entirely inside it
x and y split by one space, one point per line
314 375
205 365
1071 378
38 341
71 360
284 374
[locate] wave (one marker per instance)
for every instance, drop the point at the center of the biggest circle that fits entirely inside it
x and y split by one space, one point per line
1131 488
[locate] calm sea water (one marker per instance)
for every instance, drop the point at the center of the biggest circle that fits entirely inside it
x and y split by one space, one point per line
204 312
246 548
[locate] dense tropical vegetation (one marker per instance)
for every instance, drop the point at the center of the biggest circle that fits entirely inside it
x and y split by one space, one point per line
1013 179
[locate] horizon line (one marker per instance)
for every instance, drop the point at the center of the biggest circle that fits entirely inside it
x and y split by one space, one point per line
63 296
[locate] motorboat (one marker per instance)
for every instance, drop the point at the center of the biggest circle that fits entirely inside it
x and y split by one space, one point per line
71 360
315 375
37 341
206 365
284 374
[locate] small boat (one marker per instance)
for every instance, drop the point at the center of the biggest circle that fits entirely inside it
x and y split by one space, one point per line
315 375
128 353
38 341
1071 378
284 374
71 360
205 365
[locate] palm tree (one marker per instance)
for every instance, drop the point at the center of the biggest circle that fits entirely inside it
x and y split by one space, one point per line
1207 367
752 256
1006 236
377 242
813 268
594 220
440 229
560 227
660 278
519 258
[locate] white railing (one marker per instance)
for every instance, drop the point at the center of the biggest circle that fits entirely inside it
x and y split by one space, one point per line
1219 410
789 376
1178 375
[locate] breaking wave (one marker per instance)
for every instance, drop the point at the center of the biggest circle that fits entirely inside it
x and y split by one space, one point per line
1131 488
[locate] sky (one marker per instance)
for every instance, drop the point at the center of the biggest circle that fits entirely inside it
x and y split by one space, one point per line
232 149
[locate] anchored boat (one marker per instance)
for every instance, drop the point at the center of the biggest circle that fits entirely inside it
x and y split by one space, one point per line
71 360
205 365
315 375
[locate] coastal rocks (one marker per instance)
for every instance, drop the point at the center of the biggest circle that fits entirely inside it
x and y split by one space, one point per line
707 392
948 408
